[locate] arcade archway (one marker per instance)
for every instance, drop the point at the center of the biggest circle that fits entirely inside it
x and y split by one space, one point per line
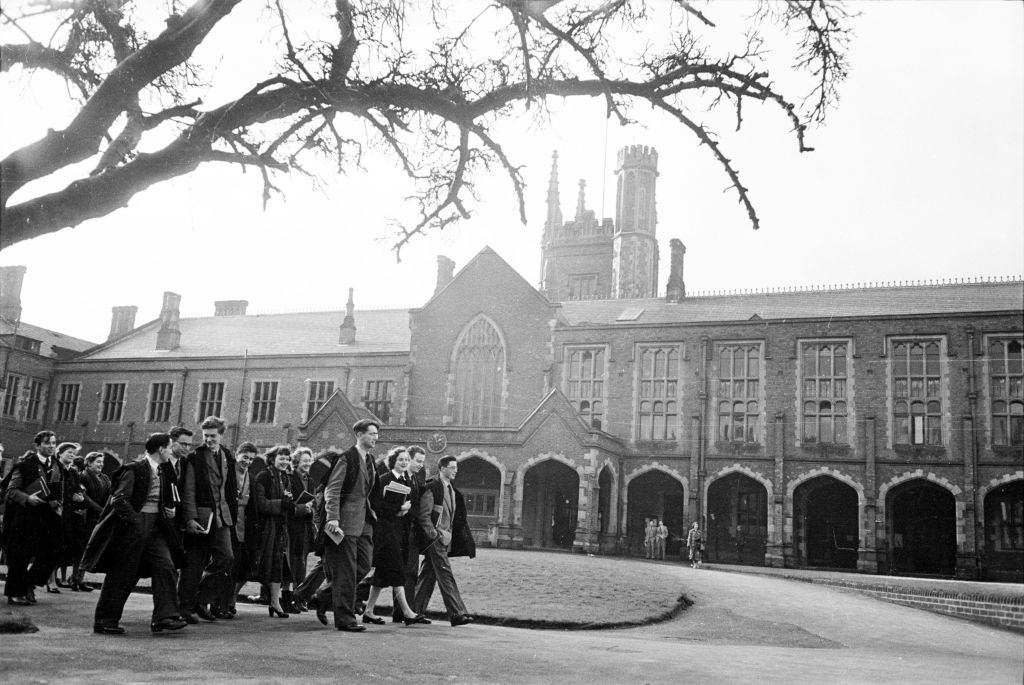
1004 532
737 525
921 519
825 530
550 505
655 494
479 481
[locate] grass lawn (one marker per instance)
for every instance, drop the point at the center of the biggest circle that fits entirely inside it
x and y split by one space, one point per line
563 590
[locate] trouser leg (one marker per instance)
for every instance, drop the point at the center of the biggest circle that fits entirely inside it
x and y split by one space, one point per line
312 582
121 578
161 566
341 562
17 584
216 586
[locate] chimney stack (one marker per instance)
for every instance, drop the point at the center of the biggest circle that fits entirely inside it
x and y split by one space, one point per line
230 307
122 321
348 326
11 278
445 272
676 288
169 335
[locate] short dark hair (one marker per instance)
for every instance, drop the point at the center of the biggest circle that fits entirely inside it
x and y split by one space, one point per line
246 447
363 425
277 450
416 449
92 457
214 422
156 442
43 436
445 460
393 455
66 446
179 431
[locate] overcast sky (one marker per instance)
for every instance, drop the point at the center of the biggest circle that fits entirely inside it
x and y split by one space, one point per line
917 175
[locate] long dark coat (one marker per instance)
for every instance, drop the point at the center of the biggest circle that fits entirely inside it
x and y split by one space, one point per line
300 525
275 509
430 505
33 529
391 533
117 531
97 491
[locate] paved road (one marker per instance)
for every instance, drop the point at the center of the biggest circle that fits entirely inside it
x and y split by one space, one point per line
742 628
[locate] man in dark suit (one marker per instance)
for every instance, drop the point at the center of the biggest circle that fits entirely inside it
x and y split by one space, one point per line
418 473
32 522
209 498
443 532
349 517
136 537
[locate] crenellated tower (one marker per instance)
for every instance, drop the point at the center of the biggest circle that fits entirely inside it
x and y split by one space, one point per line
635 262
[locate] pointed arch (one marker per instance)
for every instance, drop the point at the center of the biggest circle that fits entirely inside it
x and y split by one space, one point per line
496 463
746 471
883 491
641 470
792 485
478 374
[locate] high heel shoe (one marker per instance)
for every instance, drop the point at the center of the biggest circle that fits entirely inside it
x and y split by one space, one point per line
271 611
418 618
367 618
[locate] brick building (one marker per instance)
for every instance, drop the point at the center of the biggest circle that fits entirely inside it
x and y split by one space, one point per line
877 428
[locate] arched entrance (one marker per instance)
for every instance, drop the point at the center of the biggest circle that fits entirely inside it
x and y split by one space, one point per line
922 528
604 501
655 494
550 505
1004 532
825 530
737 525
480 484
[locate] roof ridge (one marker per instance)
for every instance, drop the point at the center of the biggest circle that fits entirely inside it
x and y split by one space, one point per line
287 312
867 285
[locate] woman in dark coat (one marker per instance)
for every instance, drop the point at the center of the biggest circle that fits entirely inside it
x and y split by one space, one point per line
272 491
300 527
392 498
96 488
72 520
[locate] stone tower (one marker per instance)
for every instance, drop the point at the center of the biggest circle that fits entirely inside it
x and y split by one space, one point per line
576 255
635 262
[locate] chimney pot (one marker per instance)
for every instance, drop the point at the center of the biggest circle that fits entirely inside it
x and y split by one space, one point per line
11 279
347 333
445 272
122 321
230 307
169 335
675 290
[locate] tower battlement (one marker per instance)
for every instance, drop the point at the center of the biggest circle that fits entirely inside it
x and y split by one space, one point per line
642 156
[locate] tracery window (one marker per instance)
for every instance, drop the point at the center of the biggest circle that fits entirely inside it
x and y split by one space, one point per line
479 375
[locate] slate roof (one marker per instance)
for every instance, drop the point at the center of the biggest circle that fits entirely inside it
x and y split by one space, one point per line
377 331
48 339
951 299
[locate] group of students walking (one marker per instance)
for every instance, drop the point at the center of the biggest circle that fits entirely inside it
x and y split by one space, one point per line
202 522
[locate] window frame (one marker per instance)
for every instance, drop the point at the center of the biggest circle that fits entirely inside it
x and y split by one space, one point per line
104 402
12 398
256 404
466 403
165 403
752 435
315 383
62 402
1006 396
376 404
590 414
924 415
671 403
847 416
201 415
35 391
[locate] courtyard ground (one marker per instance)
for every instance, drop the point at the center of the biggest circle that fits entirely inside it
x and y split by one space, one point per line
741 627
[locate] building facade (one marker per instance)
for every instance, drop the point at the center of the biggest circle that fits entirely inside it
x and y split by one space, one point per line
874 428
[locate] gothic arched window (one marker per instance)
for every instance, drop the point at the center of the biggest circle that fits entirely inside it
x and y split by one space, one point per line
479 365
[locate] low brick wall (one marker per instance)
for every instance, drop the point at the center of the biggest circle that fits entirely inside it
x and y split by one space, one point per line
998 610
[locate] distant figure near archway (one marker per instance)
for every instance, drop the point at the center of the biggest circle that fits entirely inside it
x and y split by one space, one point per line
737 526
825 531
922 528
655 494
550 505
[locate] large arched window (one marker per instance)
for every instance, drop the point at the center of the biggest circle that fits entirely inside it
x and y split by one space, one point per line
479 375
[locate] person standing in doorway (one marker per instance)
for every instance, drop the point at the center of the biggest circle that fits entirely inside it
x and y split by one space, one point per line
660 539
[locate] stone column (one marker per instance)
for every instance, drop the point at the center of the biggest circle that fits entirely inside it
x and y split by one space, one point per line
872 530
777 552
966 556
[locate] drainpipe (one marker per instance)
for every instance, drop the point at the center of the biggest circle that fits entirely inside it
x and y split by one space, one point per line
181 395
241 397
972 397
702 422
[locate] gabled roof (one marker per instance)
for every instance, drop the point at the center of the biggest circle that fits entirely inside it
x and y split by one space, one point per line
487 251
52 342
961 298
377 332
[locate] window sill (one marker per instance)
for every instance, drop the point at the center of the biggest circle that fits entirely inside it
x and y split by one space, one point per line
920 450
737 447
1008 450
827 449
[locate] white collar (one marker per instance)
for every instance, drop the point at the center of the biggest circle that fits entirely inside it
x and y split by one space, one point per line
153 464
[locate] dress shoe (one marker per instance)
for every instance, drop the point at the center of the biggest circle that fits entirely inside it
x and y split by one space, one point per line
375 620
31 596
461 620
223 614
352 628
19 601
320 606
61 583
203 612
418 618
190 618
271 611
108 630
167 624
52 590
